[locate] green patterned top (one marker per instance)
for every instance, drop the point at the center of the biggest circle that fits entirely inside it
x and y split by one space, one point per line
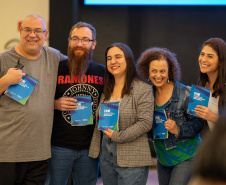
184 150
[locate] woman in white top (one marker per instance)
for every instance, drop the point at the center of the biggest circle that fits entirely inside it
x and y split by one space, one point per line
212 61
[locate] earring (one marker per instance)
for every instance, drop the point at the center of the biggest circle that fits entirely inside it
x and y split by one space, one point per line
168 80
149 80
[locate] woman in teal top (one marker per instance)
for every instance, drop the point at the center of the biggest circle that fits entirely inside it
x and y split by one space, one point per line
176 153
183 150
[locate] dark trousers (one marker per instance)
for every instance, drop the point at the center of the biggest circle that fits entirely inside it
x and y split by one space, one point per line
23 173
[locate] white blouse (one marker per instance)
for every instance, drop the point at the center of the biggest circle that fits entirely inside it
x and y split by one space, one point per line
213 106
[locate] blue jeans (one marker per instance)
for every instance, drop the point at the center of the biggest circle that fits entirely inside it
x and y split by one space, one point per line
179 174
112 174
84 169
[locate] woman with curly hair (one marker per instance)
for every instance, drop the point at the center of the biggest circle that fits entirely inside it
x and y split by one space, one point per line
176 153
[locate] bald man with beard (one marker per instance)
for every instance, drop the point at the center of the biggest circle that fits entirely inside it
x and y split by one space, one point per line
77 76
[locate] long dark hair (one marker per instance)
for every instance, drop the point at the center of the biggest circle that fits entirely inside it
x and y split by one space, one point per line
131 74
219 46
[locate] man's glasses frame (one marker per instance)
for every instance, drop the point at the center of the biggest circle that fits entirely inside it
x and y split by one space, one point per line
36 31
84 41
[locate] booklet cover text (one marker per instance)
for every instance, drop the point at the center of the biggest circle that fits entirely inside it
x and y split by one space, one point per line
109 113
160 132
82 115
198 96
22 91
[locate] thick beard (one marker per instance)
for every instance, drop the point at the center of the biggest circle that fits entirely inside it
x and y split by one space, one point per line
79 63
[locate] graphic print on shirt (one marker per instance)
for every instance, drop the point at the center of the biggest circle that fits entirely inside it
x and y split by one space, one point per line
81 90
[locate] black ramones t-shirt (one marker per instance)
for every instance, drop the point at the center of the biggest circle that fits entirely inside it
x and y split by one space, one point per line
63 134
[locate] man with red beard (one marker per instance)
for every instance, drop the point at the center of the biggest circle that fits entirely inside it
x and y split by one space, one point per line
77 76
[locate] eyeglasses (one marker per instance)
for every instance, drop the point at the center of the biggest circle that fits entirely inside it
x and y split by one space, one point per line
84 41
36 31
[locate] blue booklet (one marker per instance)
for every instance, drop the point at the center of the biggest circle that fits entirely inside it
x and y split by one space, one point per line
109 113
160 132
198 96
82 115
22 91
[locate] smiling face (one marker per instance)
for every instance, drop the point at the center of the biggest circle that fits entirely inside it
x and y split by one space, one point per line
32 43
158 72
208 61
116 62
81 33
80 54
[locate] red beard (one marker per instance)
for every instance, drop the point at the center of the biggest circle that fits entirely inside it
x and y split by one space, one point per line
78 62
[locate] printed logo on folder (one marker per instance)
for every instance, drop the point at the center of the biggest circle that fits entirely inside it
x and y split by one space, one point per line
21 91
82 115
109 113
198 96
160 132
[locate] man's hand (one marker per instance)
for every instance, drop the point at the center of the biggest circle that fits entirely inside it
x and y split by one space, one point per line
13 76
65 104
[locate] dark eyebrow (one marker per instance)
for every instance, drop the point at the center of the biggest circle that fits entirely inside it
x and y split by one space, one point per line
81 38
211 55
35 28
118 55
